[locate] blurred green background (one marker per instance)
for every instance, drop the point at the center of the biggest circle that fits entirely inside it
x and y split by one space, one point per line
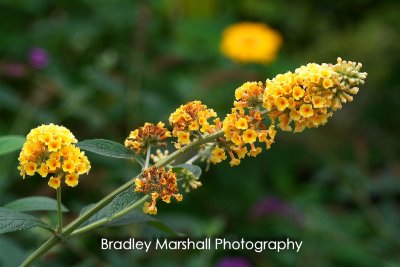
113 65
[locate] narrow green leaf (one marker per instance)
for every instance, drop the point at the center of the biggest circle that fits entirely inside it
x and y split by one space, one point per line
164 228
123 200
194 169
34 204
10 143
135 216
109 149
11 221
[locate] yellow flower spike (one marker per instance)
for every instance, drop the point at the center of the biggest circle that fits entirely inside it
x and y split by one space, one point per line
290 101
50 149
250 42
317 89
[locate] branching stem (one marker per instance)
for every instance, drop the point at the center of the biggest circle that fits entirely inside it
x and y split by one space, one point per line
72 228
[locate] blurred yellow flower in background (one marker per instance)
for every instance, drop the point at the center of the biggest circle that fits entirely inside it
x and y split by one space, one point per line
250 42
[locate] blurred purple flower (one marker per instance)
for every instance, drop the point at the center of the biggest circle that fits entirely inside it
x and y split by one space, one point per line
38 58
233 262
13 69
274 206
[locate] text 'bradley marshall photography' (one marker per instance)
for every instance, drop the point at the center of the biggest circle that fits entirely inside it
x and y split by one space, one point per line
204 244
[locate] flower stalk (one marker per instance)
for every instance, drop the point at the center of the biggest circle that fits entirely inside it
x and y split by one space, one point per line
69 230
59 212
294 101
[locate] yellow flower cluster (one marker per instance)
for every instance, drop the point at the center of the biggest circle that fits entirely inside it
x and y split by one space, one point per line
242 129
303 99
190 121
149 134
308 96
250 42
159 183
50 149
249 95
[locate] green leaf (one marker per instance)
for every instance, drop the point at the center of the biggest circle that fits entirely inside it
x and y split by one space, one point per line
194 169
121 201
164 228
10 143
135 216
11 221
109 149
34 204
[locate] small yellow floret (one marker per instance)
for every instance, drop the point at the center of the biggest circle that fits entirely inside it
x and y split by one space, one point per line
217 155
54 182
249 136
241 124
183 138
306 110
71 179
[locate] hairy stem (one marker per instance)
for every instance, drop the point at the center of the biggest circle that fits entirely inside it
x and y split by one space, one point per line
71 227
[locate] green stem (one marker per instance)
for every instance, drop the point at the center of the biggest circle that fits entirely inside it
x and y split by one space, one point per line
146 164
70 228
59 212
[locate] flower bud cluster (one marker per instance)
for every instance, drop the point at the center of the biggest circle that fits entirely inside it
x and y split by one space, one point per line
149 134
190 121
158 183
